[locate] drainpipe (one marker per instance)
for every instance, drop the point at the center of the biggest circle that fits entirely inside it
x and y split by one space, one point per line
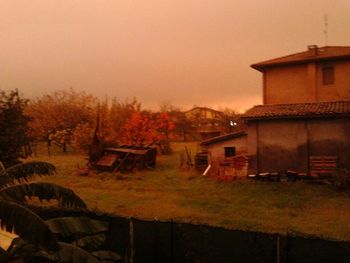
257 148
307 145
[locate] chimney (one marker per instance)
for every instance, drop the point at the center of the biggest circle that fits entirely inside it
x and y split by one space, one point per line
313 50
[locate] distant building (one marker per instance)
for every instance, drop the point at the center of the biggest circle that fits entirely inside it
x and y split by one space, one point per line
207 122
316 75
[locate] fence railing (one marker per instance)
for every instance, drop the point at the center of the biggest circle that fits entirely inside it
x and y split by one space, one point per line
155 241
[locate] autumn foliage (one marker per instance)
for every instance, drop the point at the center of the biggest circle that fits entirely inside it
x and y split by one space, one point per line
69 118
56 116
144 128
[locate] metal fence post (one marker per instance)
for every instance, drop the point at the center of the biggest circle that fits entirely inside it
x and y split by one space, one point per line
132 244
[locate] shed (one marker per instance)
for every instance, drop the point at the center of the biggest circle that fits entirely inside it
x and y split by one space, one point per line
308 138
126 158
226 154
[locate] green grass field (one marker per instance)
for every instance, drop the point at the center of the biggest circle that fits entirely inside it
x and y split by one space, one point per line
169 193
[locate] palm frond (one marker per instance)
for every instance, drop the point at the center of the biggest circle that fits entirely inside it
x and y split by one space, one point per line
70 253
66 253
90 243
23 171
29 226
44 191
68 226
107 256
4 178
2 168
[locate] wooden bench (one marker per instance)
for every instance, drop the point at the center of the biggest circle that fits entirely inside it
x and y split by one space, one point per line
323 166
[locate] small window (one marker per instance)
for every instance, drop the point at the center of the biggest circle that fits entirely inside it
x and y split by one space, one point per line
328 75
230 151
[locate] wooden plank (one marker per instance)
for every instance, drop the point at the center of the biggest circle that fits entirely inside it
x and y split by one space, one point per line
320 165
121 163
107 160
126 150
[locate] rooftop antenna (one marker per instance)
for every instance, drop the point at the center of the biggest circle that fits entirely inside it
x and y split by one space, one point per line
325 31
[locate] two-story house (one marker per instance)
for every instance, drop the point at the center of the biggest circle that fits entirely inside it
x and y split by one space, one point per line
305 118
207 122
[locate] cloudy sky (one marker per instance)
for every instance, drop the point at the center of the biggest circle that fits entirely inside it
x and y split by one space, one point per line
188 52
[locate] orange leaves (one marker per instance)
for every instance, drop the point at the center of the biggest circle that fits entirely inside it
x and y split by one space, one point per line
56 115
144 128
139 130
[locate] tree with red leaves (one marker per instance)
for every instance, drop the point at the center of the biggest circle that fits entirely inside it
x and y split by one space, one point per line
143 129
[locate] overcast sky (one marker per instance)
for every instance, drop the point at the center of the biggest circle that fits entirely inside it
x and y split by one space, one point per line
188 52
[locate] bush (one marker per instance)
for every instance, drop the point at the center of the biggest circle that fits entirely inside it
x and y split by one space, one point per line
14 131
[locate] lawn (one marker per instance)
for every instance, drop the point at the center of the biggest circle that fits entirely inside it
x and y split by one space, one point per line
170 193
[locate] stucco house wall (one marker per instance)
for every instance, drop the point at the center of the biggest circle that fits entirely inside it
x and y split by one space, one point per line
303 83
281 145
331 137
287 84
298 78
340 90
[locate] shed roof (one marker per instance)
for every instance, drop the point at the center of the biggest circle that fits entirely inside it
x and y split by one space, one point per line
127 150
299 110
224 137
313 54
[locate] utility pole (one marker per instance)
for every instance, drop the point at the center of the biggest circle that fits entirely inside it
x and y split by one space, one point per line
325 31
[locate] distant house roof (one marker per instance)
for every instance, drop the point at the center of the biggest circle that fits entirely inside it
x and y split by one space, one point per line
313 54
205 108
299 110
222 138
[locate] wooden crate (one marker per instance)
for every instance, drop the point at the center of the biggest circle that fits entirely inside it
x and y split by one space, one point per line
323 165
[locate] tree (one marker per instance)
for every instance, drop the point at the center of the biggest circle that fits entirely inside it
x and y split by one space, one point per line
110 118
14 136
55 116
232 121
164 127
183 126
140 130
145 128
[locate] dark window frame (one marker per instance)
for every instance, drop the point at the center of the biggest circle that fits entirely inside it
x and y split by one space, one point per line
328 75
230 151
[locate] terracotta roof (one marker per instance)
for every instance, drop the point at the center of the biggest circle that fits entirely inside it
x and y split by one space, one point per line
205 108
224 137
313 53
299 110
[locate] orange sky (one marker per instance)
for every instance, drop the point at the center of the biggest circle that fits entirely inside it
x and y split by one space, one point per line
189 52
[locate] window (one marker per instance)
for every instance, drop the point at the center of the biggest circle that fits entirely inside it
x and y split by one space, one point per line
230 151
328 75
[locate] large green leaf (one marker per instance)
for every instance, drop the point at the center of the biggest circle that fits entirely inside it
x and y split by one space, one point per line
73 254
65 253
23 171
44 191
93 242
107 256
29 226
68 226
2 168
4 178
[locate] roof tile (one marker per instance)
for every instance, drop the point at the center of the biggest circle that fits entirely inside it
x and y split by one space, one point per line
317 54
299 110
